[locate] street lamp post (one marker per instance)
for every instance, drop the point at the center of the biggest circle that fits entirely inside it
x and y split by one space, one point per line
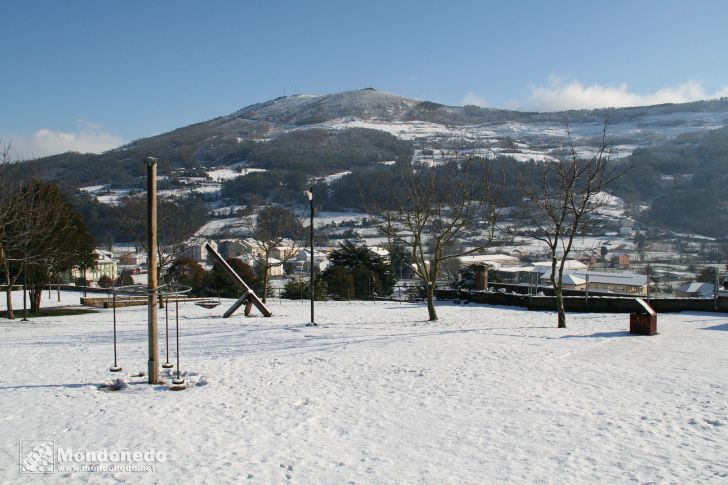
309 194
25 305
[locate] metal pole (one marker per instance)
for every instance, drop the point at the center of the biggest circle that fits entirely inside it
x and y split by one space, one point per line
167 364
116 367
176 317
25 304
153 363
113 305
531 289
311 281
648 283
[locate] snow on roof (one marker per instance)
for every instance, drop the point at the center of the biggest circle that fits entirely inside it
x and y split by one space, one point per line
495 260
571 279
570 264
703 289
515 269
378 250
627 279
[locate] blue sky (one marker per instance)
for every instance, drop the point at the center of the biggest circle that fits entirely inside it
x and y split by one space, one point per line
90 75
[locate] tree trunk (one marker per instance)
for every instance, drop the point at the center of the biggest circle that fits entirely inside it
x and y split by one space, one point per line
560 307
9 302
265 283
35 299
430 292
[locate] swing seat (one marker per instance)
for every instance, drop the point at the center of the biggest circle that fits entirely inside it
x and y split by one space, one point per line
209 304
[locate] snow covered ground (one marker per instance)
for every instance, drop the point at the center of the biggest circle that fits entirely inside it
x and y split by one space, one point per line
232 172
325 218
216 227
378 395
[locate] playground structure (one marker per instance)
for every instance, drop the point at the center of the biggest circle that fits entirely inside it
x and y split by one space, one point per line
248 298
153 292
165 292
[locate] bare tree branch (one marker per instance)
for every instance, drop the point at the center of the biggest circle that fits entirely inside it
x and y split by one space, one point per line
427 208
559 199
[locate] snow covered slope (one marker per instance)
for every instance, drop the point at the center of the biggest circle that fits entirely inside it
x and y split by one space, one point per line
377 395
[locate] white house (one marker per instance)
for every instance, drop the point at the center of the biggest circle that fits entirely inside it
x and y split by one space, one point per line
197 249
302 261
104 265
275 270
284 253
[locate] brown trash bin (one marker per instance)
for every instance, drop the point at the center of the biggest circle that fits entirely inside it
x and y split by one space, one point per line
644 320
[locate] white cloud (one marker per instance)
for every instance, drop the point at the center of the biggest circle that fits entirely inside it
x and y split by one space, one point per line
721 93
575 95
88 139
475 100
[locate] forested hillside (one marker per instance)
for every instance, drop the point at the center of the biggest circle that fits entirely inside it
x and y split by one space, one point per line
684 182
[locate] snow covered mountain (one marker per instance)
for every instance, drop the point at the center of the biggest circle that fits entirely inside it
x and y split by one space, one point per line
432 126
435 131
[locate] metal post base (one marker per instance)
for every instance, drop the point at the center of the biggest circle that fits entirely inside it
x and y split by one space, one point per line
178 385
115 369
167 365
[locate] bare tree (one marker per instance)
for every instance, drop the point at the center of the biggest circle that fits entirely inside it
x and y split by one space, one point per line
177 219
41 236
271 227
559 200
8 214
429 208
58 242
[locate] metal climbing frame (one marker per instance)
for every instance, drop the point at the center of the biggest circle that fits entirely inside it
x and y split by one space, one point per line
248 296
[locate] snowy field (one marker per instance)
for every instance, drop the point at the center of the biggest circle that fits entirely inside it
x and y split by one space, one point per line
377 395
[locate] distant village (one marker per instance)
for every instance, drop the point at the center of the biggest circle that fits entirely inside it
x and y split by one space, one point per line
612 273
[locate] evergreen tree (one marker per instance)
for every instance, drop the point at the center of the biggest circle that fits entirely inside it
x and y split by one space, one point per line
370 274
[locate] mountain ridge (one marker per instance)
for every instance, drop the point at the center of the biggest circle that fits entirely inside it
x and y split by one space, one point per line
256 134
301 110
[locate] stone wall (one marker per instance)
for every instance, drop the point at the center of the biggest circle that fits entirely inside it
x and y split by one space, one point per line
596 304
